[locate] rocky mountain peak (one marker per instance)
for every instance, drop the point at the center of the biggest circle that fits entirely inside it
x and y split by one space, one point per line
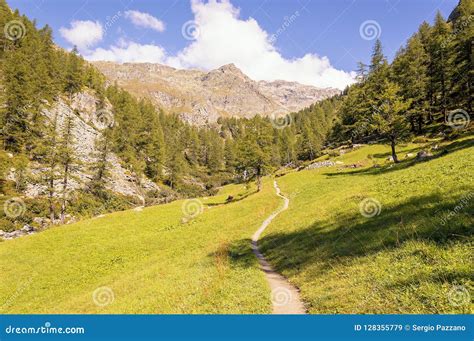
231 68
201 97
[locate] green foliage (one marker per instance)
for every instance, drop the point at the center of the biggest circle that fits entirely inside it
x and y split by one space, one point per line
430 75
434 72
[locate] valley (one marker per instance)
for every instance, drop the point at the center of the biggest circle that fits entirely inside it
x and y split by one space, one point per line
139 188
162 260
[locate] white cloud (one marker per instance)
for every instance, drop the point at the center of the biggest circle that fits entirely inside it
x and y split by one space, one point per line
146 20
222 37
83 34
225 38
127 51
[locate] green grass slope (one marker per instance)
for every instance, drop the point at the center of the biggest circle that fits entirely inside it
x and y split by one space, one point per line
150 261
415 256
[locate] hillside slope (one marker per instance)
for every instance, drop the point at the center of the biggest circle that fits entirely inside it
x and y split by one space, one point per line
391 239
406 259
155 260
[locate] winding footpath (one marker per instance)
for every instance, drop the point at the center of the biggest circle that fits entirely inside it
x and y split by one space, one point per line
285 297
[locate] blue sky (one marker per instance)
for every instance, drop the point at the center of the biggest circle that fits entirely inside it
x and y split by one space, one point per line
320 44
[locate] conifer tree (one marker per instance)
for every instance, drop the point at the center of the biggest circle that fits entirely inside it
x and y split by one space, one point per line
410 71
67 161
440 49
389 119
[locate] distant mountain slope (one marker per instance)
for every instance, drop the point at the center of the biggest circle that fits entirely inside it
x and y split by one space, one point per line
202 97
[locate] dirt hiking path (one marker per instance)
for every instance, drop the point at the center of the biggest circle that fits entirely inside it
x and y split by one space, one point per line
285 297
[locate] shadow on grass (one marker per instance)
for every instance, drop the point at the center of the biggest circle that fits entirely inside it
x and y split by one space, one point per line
407 163
239 253
237 199
353 235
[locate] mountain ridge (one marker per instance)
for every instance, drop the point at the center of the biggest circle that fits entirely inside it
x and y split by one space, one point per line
201 97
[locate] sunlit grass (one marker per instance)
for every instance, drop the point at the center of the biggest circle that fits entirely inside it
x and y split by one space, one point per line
152 260
404 260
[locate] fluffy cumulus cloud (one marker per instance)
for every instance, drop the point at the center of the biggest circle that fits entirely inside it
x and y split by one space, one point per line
145 20
128 51
220 36
83 34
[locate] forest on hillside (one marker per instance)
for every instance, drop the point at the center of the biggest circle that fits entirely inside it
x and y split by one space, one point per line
427 89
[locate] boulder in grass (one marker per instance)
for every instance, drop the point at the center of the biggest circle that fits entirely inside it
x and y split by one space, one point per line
423 154
28 228
320 164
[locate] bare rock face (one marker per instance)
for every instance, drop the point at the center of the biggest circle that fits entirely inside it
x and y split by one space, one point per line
200 98
295 96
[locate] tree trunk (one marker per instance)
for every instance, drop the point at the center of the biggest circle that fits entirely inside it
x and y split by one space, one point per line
67 164
394 154
51 198
259 183
412 124
420 124
64 199
259 179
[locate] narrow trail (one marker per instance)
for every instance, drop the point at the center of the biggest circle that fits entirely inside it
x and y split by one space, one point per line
285 297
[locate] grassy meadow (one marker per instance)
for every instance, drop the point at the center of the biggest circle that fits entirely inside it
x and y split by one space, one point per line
150 261
399 257
406 258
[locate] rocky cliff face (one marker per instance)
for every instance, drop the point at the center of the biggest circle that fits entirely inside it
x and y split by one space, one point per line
200 98
83 112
